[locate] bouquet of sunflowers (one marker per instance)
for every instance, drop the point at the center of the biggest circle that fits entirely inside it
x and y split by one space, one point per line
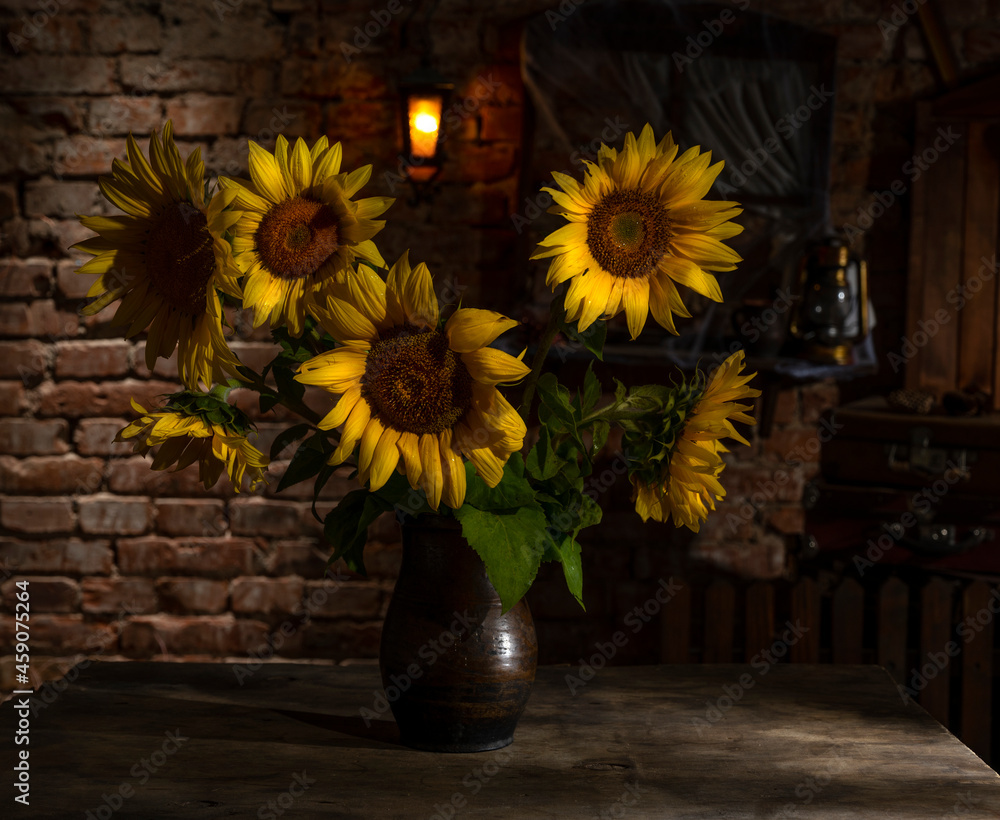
420 412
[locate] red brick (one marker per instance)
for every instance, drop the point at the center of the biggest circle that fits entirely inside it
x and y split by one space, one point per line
63 634
254 516
786 407
26 360
255 355
84 156
267 596
370 120
45 74
45 594
817 398
50 117
487 205
61 34
61 556
501 123
299 557
733 520
134 475
151 74
9 202
358 600
212 635
793 444
788 520
119 596
210 558
135 33
362 81
73 399
115 116
222 32
311 78
200 114
764 484
38 319
96 437
162 368
204 517
91 359
73 285
31 278
382 560
265 119
199 596
12 399
62 199
50 475
37 515
108 514
308 523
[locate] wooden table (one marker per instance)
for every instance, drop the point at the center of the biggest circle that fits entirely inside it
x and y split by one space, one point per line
154 740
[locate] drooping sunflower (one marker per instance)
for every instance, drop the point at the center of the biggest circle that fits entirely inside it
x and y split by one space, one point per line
195 427
300 229
639 226
417 397
686 484
165 258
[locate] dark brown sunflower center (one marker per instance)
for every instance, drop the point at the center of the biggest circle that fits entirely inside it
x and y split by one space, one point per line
296 237
415 383
179 258
628 234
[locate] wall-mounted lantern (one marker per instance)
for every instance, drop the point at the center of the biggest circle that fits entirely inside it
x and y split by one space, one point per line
424 95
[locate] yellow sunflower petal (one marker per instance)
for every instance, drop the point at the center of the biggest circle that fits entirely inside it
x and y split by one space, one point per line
469 329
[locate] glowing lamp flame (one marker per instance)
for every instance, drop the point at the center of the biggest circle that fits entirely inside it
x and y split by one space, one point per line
426 123
424 115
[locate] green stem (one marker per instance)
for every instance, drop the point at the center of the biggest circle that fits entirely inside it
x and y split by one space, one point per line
296 406
556 315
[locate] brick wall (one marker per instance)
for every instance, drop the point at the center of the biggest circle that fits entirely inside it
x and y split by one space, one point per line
127 563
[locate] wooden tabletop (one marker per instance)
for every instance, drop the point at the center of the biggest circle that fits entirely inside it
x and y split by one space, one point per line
151 740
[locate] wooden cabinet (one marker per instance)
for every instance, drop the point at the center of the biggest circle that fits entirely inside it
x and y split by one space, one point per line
953 303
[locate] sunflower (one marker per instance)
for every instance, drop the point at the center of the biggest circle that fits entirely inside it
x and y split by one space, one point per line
418 398
687 485
185 433
165 257
300 230
638 227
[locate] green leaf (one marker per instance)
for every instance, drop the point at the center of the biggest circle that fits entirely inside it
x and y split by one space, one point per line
589 513
600 432
308 460
321 479
591 389
286 437
512 492
511 544
284 378
557 399
567 551
592 338
346 526
542 461
268 400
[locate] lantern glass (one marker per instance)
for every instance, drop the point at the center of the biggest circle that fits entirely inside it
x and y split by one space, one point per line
424 122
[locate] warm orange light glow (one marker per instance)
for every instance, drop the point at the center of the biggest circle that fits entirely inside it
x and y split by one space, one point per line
424 122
